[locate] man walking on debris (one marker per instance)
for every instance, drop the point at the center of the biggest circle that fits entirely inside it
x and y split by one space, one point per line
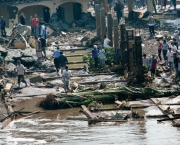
56 59
35 22
43 45
66 78
95 56
3 26
118 8
62 61
165 47
20 73
151 24
176 60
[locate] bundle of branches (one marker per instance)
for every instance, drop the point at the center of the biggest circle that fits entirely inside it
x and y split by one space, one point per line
49 102
106 96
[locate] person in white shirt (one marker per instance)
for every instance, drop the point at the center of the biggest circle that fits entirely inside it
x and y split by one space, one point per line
145 60
106 41
170 58
173 47
66 78
102 56
20 73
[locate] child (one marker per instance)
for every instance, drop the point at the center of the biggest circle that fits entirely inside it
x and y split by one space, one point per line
153 63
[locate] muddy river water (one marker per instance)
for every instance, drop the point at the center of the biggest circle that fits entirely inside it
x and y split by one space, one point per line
52 127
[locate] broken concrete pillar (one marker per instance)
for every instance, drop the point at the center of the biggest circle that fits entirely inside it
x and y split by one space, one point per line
116 34
138 50
150 6
102 23
105 6
123 43
130 49
110 24
97 15
130 5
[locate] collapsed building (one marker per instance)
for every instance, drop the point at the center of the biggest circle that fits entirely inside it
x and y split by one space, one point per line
68 10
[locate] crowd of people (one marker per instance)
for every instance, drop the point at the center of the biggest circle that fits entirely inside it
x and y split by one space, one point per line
170 57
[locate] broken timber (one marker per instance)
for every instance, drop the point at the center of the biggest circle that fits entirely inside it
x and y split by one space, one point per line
95 120
175 122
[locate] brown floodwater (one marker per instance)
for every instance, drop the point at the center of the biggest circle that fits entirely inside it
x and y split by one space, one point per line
52 127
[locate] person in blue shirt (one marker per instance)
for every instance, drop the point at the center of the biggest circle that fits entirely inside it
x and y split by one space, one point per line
3 25
95 56
56 59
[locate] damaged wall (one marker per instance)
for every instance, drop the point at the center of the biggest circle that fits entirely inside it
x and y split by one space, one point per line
4 12
52 5
30 11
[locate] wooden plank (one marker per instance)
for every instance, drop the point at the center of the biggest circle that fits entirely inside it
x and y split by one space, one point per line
87 111
8 87
118 102
101 81
6 122
163 109
95 120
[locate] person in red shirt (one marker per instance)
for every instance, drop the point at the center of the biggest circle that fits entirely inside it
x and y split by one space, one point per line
35 23
159 49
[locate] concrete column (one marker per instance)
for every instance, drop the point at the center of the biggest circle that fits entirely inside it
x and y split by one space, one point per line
116 34
131 5
105 6
150 6
123 43
102 23
110 24
97 15
138 50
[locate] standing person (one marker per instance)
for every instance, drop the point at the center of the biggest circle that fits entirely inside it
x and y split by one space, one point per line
56 60
106 41
151 24
118 8
173 47
35 22
95 56
41 22
164 48
43 31
176 60
179 68
66 78
153 63
31 24
22 19
165 3
3 26
159 49
43 45
145 60
170 60
174 3
102 57
38 48
175 43
20 73
62 61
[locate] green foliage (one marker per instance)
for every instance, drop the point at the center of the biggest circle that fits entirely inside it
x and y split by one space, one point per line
145 68
109 57
85 58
